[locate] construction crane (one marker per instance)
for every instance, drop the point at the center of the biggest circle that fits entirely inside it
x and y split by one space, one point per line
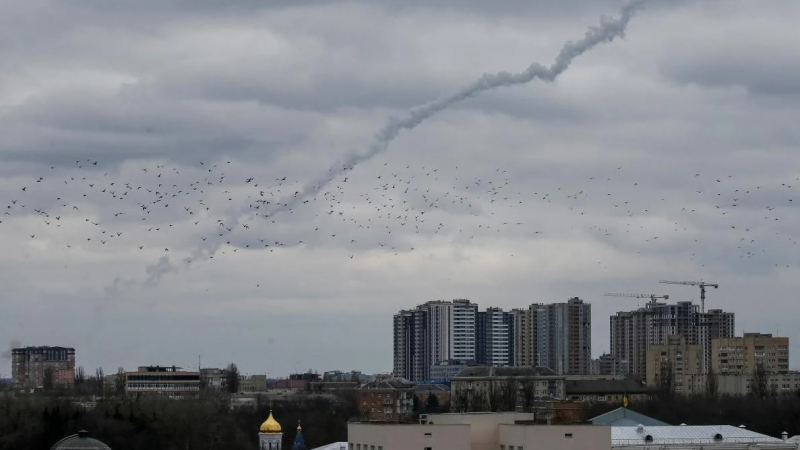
702 285
652 297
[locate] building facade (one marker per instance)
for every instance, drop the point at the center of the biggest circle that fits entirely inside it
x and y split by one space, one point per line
633 332
390 400
496 431
557 336
493 338
448 369
36 367
169 381
742 355
683 360
433 332
477 388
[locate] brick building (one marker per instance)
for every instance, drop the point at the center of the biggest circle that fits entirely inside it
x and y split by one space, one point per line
33 367
390 399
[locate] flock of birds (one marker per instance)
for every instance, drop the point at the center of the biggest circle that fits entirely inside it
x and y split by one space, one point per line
202 211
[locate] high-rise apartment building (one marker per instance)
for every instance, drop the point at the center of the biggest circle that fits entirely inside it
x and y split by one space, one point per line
433 332
741 355
493 337
683 360
36 367
633 332
557 336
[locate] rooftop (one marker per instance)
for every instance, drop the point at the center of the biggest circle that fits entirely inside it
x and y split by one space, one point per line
388 383
80 441
626 386
492 371
624 417
687 434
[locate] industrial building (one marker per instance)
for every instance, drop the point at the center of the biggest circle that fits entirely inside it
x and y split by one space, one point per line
169 381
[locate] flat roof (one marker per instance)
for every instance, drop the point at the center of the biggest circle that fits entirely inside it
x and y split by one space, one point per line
688 434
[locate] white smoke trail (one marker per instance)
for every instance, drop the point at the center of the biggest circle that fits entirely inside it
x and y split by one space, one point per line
607 31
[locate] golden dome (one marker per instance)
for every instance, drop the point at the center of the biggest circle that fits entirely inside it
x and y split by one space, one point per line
270 426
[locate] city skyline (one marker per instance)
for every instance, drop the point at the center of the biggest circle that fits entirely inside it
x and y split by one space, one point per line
143 142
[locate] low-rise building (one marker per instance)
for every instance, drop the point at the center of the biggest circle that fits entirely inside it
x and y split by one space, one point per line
477 431
740 384
518 431
445 370
484 388
337 376
706 437
388 399
170 381
624 417
607 391
423 392
213 378
253 383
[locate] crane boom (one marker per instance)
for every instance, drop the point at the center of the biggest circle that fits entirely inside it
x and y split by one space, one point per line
652 297
702 285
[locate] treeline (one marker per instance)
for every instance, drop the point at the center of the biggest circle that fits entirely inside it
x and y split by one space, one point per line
158 423
770 415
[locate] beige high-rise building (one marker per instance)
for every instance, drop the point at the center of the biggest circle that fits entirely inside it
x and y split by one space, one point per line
557 336
685 360
741 355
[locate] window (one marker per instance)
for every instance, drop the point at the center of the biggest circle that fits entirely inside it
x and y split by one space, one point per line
358 446
502 447
568 435
428 448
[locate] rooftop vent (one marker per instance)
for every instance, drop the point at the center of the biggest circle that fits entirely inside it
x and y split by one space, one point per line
639 428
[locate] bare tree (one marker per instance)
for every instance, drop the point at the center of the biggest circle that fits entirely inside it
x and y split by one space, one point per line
478 401
232 378
666 382
99 380
49 378
80 376
712 384
459 401
119 382
509 389
495 396
528 390
759 384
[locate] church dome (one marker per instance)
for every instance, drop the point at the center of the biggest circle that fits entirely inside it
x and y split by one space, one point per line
80 441
270 426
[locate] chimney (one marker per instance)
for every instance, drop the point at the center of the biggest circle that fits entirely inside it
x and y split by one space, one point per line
785 436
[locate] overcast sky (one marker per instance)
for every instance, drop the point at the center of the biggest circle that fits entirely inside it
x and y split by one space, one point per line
148 137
